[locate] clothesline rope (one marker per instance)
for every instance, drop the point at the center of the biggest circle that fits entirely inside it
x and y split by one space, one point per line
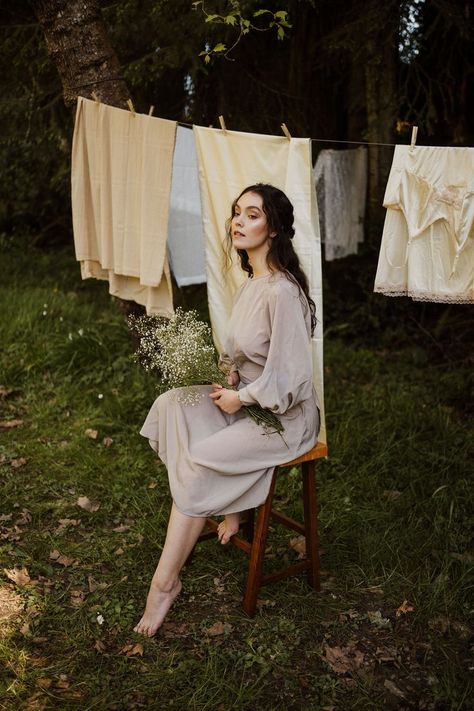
316 140
322 140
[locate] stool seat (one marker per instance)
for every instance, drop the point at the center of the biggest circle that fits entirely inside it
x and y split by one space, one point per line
256 532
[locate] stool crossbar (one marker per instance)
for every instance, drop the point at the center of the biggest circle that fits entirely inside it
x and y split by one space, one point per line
255 529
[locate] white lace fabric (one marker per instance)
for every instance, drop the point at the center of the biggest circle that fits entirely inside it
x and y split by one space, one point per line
427 248
340 179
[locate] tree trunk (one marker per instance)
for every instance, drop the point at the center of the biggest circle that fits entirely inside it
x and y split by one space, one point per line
77 41
380 88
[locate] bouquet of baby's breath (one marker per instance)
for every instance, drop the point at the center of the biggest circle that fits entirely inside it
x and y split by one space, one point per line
179 350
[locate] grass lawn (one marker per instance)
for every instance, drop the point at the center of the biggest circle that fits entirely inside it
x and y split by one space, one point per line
390 628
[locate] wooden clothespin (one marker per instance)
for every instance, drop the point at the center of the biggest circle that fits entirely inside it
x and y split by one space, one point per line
284 128
131 106
222 123
152 108
414 132
95 97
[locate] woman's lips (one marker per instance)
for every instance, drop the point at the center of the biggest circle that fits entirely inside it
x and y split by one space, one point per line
238 234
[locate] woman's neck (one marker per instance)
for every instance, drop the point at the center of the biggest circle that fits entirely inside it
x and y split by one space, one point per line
259 265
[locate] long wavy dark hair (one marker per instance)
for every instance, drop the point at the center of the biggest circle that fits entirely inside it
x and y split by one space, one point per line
281 255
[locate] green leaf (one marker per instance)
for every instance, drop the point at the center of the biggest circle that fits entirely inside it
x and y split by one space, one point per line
207 59
245 23
281 14
281 32
219 47
211 18
261 12
203 52
230 20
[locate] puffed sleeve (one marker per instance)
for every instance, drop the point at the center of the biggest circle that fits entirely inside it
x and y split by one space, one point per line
286 379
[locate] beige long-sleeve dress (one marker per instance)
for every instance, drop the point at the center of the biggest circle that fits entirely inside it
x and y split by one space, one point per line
219 463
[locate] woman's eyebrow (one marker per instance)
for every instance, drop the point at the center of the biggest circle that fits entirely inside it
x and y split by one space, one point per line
249 207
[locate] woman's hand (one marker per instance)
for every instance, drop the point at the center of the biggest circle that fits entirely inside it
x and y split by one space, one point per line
233 379
227 400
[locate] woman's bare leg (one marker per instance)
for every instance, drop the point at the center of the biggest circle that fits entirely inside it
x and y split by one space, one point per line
181 536
228 527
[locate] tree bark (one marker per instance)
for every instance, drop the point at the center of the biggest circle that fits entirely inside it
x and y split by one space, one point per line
78 43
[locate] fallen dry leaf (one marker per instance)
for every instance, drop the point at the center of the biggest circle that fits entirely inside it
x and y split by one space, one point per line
121 529
132 649
62 682
337 659
6 517
44 682
17 463
65 522
18 575
219 628
107 441
8 424
91 433
392 495
25 629
152 484
375 590
61 559
99 646
25 517
94 585
393 688
404 608
298 543
85 503
4 391
77 597
463 557
119 551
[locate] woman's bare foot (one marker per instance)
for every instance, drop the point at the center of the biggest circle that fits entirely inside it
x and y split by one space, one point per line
158 603
228 527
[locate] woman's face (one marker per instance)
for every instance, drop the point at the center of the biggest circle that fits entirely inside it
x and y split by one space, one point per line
249 224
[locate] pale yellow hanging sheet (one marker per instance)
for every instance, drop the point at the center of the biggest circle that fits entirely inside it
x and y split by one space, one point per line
229 162
121 183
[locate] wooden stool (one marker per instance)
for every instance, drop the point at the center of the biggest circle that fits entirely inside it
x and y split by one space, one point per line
256 532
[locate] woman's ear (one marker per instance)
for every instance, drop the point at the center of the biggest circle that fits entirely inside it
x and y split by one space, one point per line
273 234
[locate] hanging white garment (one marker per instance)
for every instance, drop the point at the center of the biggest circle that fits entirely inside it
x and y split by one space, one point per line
121 182
228 163
427 249
185 235
340 179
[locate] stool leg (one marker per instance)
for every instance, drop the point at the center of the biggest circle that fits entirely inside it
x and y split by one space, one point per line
249 525
258 551
311 523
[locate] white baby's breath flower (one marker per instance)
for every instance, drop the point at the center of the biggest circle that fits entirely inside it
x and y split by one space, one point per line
100 619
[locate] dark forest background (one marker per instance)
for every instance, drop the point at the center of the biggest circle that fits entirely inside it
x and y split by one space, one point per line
346 70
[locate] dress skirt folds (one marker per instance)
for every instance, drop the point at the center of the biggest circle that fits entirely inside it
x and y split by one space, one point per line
219 463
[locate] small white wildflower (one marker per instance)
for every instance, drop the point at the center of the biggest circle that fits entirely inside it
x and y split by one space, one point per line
45 313
81 331
61 318
100 396
100 619
69 335
45 306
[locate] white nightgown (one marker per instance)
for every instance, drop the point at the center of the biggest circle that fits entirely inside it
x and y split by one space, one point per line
219 463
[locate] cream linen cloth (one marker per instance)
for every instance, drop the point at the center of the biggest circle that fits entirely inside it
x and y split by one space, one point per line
185 236
340 179
228 163
427 249
121 183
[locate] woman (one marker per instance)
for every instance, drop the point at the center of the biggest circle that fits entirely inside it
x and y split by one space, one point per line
219 461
